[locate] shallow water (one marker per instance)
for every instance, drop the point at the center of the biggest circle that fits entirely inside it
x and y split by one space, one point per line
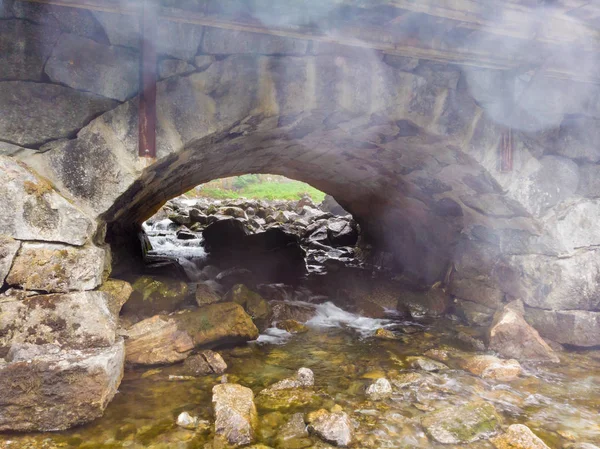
559 403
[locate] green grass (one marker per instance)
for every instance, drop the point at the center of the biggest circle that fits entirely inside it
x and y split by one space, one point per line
292 190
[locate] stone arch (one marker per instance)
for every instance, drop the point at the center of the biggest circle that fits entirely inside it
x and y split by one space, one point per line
428 133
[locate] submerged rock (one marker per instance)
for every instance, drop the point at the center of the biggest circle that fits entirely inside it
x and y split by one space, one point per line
380 389
304 377
333 427
462 424
518 436
45 388
187 421
204 363
294 429
511 336
425 364
235 413
385 334
488 366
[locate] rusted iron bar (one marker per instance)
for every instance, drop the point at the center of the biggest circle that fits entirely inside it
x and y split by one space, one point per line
506 150
147 99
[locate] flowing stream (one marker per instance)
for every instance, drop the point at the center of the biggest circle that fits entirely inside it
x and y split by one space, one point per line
560 403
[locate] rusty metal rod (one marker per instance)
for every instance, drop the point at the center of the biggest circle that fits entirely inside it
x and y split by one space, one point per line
147 99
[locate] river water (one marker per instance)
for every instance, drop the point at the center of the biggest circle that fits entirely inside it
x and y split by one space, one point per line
560 403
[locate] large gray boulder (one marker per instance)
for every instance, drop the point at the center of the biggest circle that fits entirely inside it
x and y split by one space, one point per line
46 388
8 251
25 106
548 282
77 320
235 413
53 267
30 209
25 49
569 327
84 64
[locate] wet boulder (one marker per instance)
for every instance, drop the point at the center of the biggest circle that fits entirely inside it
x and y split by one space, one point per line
233 211
462 424
254 304
46 388
205 363
236 418
332 427
518 436
157 341
511 336
283 310
217 324
224 234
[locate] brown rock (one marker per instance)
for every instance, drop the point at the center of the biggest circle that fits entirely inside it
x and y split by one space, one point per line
153 295
511 336
488 366
45 388
157 340
518 436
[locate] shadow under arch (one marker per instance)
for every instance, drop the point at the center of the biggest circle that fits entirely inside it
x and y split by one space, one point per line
405 187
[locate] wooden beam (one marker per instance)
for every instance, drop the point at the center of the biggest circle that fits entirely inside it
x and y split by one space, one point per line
381 39
147 99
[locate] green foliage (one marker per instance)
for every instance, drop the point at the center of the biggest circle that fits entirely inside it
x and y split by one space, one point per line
245 180
266 190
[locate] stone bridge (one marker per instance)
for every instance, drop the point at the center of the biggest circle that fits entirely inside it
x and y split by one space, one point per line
410 142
